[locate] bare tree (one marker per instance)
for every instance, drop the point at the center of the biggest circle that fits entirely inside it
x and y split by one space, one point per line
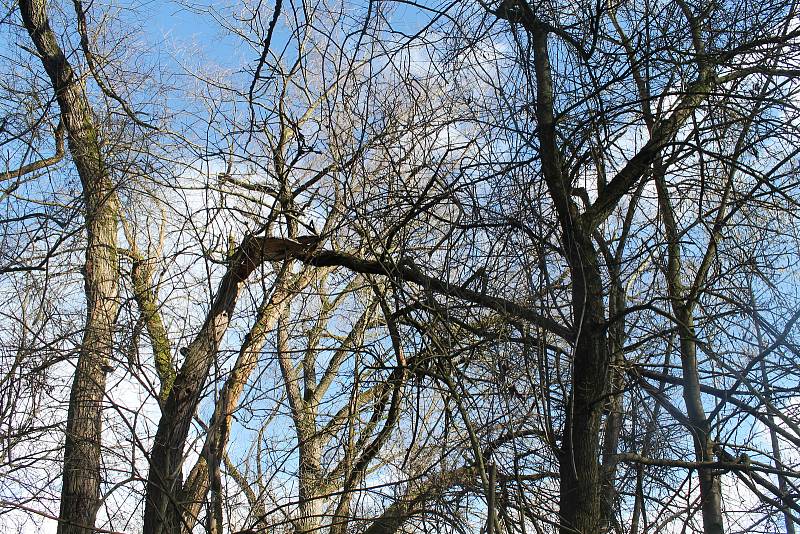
493 267
81 474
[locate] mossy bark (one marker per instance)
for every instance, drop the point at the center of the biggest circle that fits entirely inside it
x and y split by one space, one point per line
81 479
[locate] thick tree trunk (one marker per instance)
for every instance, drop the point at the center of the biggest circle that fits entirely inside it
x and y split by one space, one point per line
613 422
310 476
164 508
309 449
197 484
579 468
80 496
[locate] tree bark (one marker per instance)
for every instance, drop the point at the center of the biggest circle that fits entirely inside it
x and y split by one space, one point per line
80 496
710 488
579 469
197 484
614 419
163 506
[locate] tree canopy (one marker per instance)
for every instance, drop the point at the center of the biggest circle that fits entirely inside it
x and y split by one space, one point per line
396 267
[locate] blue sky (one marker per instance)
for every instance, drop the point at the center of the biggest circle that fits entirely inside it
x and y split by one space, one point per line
182 30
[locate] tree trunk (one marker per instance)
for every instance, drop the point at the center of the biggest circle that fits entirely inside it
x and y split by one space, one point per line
579 468
773 436
163 507
613 422
310 475
197 484
710 488
80 496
